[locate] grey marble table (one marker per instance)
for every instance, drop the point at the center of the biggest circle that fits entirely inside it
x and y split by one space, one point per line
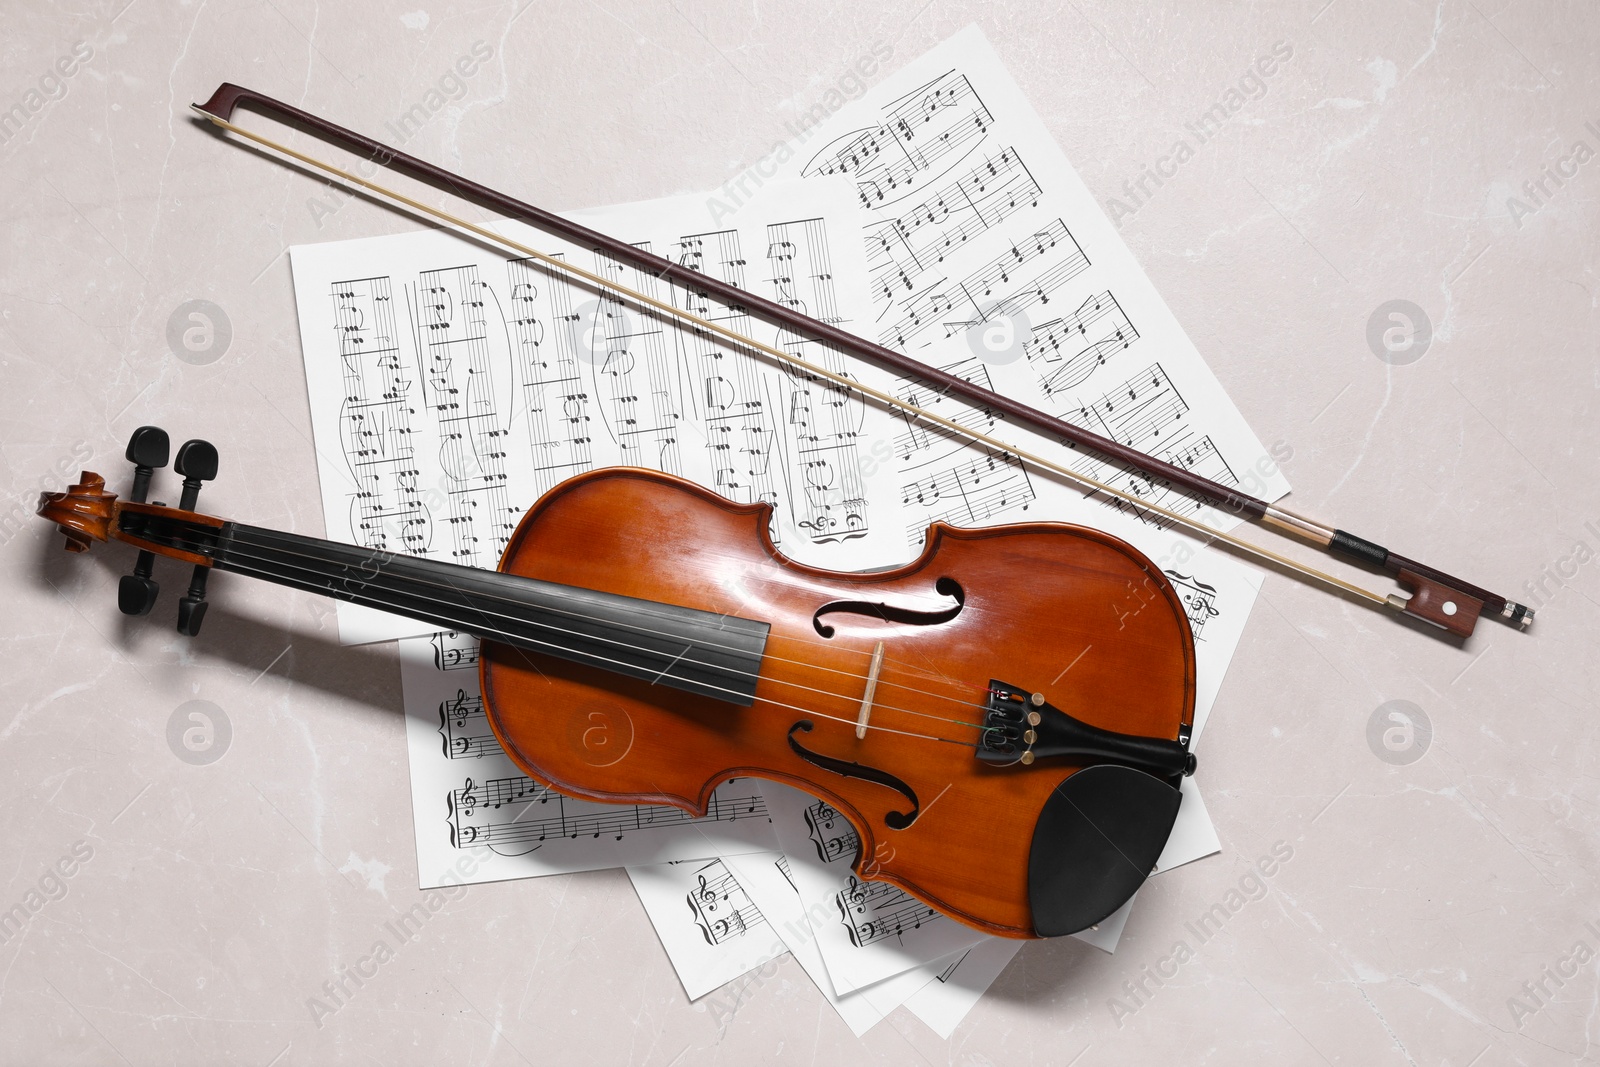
1438 900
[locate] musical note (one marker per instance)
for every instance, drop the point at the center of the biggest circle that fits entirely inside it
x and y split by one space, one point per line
634 370
451 308
878 911
1062 353
377 403
719 905
516 815
464 729
741 431
454 651
1199 600
901 250
920 133
1135 413
555 393
945 478
823 422
998 287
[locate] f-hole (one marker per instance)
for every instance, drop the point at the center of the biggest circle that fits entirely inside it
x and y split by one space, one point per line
895 820
890 613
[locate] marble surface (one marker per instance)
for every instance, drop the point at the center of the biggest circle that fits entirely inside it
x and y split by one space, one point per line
1437 904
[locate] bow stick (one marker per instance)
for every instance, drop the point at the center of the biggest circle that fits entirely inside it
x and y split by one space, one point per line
1435 597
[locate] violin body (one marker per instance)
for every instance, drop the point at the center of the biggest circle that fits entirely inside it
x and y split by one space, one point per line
1068 612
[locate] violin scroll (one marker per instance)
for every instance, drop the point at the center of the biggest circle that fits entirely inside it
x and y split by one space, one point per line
86 513
83 512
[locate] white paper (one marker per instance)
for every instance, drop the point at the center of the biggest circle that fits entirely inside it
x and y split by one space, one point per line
1193 836
466 792
451 385
957 988
766 878
708 924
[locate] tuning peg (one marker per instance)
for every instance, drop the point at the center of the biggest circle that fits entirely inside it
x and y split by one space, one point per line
192 606
147 450
197 462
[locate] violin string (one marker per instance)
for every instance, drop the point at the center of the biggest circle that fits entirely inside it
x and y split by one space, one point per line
513 640
704 643
644 631
700 323
883 677
309 586
951 683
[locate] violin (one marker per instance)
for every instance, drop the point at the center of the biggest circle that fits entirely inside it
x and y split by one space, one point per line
1007 742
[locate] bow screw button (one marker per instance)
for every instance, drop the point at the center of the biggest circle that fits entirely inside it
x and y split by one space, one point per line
147 450
197 462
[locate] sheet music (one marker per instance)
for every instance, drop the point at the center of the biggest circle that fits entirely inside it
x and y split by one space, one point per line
466 793
990 259
708 924
451 386
767 879
866 931
943 1002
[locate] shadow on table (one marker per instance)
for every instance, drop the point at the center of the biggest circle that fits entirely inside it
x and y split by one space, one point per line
231 634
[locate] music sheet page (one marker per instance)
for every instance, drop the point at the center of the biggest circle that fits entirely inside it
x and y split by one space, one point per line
991 259
768 880
451 385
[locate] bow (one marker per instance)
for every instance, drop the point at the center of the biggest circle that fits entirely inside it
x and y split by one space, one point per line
1433 595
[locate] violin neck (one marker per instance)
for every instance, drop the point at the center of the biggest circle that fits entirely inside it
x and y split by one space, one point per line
702 652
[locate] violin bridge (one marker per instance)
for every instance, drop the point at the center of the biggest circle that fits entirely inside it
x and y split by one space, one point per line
872 687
